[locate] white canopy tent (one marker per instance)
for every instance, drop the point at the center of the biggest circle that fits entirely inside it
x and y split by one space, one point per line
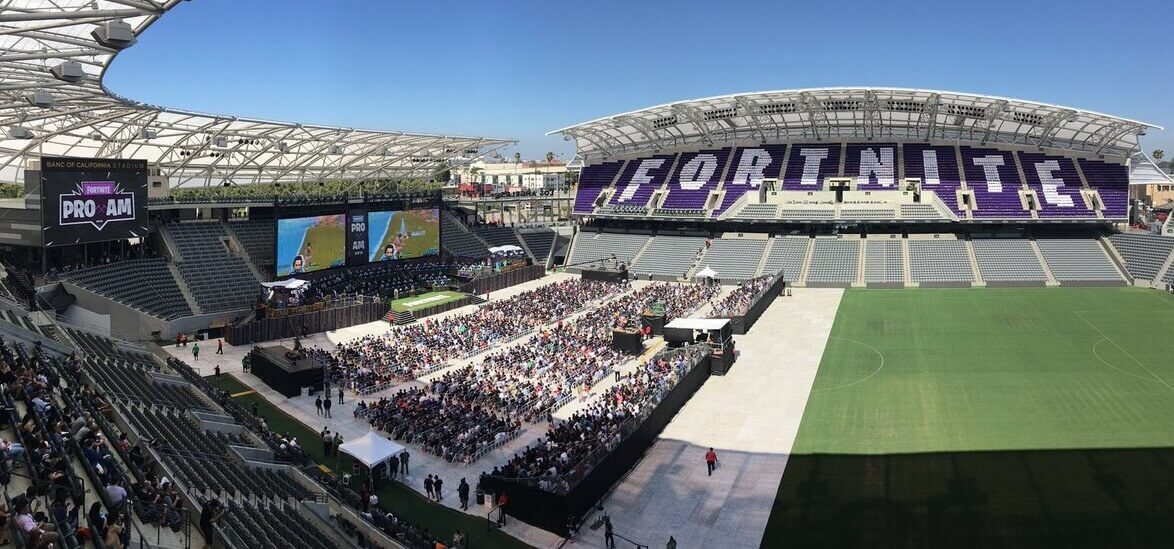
505 249
706 273
371 449
289 284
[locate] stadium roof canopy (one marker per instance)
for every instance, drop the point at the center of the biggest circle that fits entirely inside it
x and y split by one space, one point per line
54 54
837 114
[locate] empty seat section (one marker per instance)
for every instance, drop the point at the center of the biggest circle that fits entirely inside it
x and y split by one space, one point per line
873 166
734 258
540 241
1144 254
257 237
219 280
758 211
1008 260
993 177
1056 184
497 236
1078 261
939 261
145 284
592 181
808 165
696 174
833 262
884 261
1111 181
920 211
748 168
590 247
786 257
458 241
668 256
937 168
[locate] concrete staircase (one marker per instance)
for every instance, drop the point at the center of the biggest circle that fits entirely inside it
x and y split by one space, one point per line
184 289
1039 255
240 250
905 261
978 281
770 244
802 281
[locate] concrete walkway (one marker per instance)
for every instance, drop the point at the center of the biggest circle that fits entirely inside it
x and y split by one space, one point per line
750 417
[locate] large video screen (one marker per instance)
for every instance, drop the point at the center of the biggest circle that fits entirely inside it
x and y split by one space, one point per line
403 234
308 244
92 200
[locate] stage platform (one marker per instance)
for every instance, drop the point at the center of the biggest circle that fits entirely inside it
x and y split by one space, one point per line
426 300
285 375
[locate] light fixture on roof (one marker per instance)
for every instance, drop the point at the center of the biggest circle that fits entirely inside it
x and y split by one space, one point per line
69 71
282 147
18 132
41 99
96 136
336 149
148 133
114 34
220 142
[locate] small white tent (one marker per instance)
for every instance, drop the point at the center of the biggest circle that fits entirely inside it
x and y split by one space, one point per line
706 273
371 449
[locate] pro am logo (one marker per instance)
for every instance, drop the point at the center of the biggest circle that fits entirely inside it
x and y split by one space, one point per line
96 203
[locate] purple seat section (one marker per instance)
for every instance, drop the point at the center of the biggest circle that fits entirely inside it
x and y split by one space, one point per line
794 176
990 200
1065 201
743 173
592 181
945 180
880 166
705 173
630 193
1111 181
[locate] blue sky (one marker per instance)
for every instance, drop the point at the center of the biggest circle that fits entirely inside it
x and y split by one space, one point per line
520 69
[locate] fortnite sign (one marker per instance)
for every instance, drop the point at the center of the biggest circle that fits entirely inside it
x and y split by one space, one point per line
96 203
92 200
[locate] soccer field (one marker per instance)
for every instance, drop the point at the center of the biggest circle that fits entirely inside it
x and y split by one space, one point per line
987 417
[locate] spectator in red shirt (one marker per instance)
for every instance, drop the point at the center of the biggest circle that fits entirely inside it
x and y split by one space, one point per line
710 461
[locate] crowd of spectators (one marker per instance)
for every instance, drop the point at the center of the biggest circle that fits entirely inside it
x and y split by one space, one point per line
405 352
737 302
570 448
387 280
461 414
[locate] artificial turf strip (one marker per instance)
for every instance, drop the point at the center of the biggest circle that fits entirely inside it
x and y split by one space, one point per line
404 502
423 301
1000 417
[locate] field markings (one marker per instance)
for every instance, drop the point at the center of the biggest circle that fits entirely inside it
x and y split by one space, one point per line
1106 363
863 379
1127 353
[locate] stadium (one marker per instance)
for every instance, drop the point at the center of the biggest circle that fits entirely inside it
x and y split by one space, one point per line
824 317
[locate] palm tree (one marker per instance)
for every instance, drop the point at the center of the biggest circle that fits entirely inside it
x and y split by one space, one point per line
517 157
549 157
1159 154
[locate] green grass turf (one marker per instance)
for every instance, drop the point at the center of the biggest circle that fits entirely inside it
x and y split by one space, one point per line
393 496
329 245
415 303
1000 417
426 229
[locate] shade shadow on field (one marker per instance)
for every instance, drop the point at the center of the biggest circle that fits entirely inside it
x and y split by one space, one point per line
1004 499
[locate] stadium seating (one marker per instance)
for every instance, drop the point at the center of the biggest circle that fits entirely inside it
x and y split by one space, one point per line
884 262
458 241
590 247
635 194
863 214
879 161
734 259
1079 261
1066 200
496 235
145 284
592 181
1144 254
219 280
834 262
273 527
939 262
942 177
786 257
758 211
1111 181
920 211
804 175
668 257
742 175
257 238
23 321
102 346
993 198
1008 261
802 213
706 164
131 382
540 240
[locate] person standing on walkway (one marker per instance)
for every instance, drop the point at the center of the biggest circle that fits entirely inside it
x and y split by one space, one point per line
428 486
318 404
437 486
463 494
217 370
393 467
196 351
337 442
219 346
340 394
711 461
609 539
326 406
403 461
326 442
